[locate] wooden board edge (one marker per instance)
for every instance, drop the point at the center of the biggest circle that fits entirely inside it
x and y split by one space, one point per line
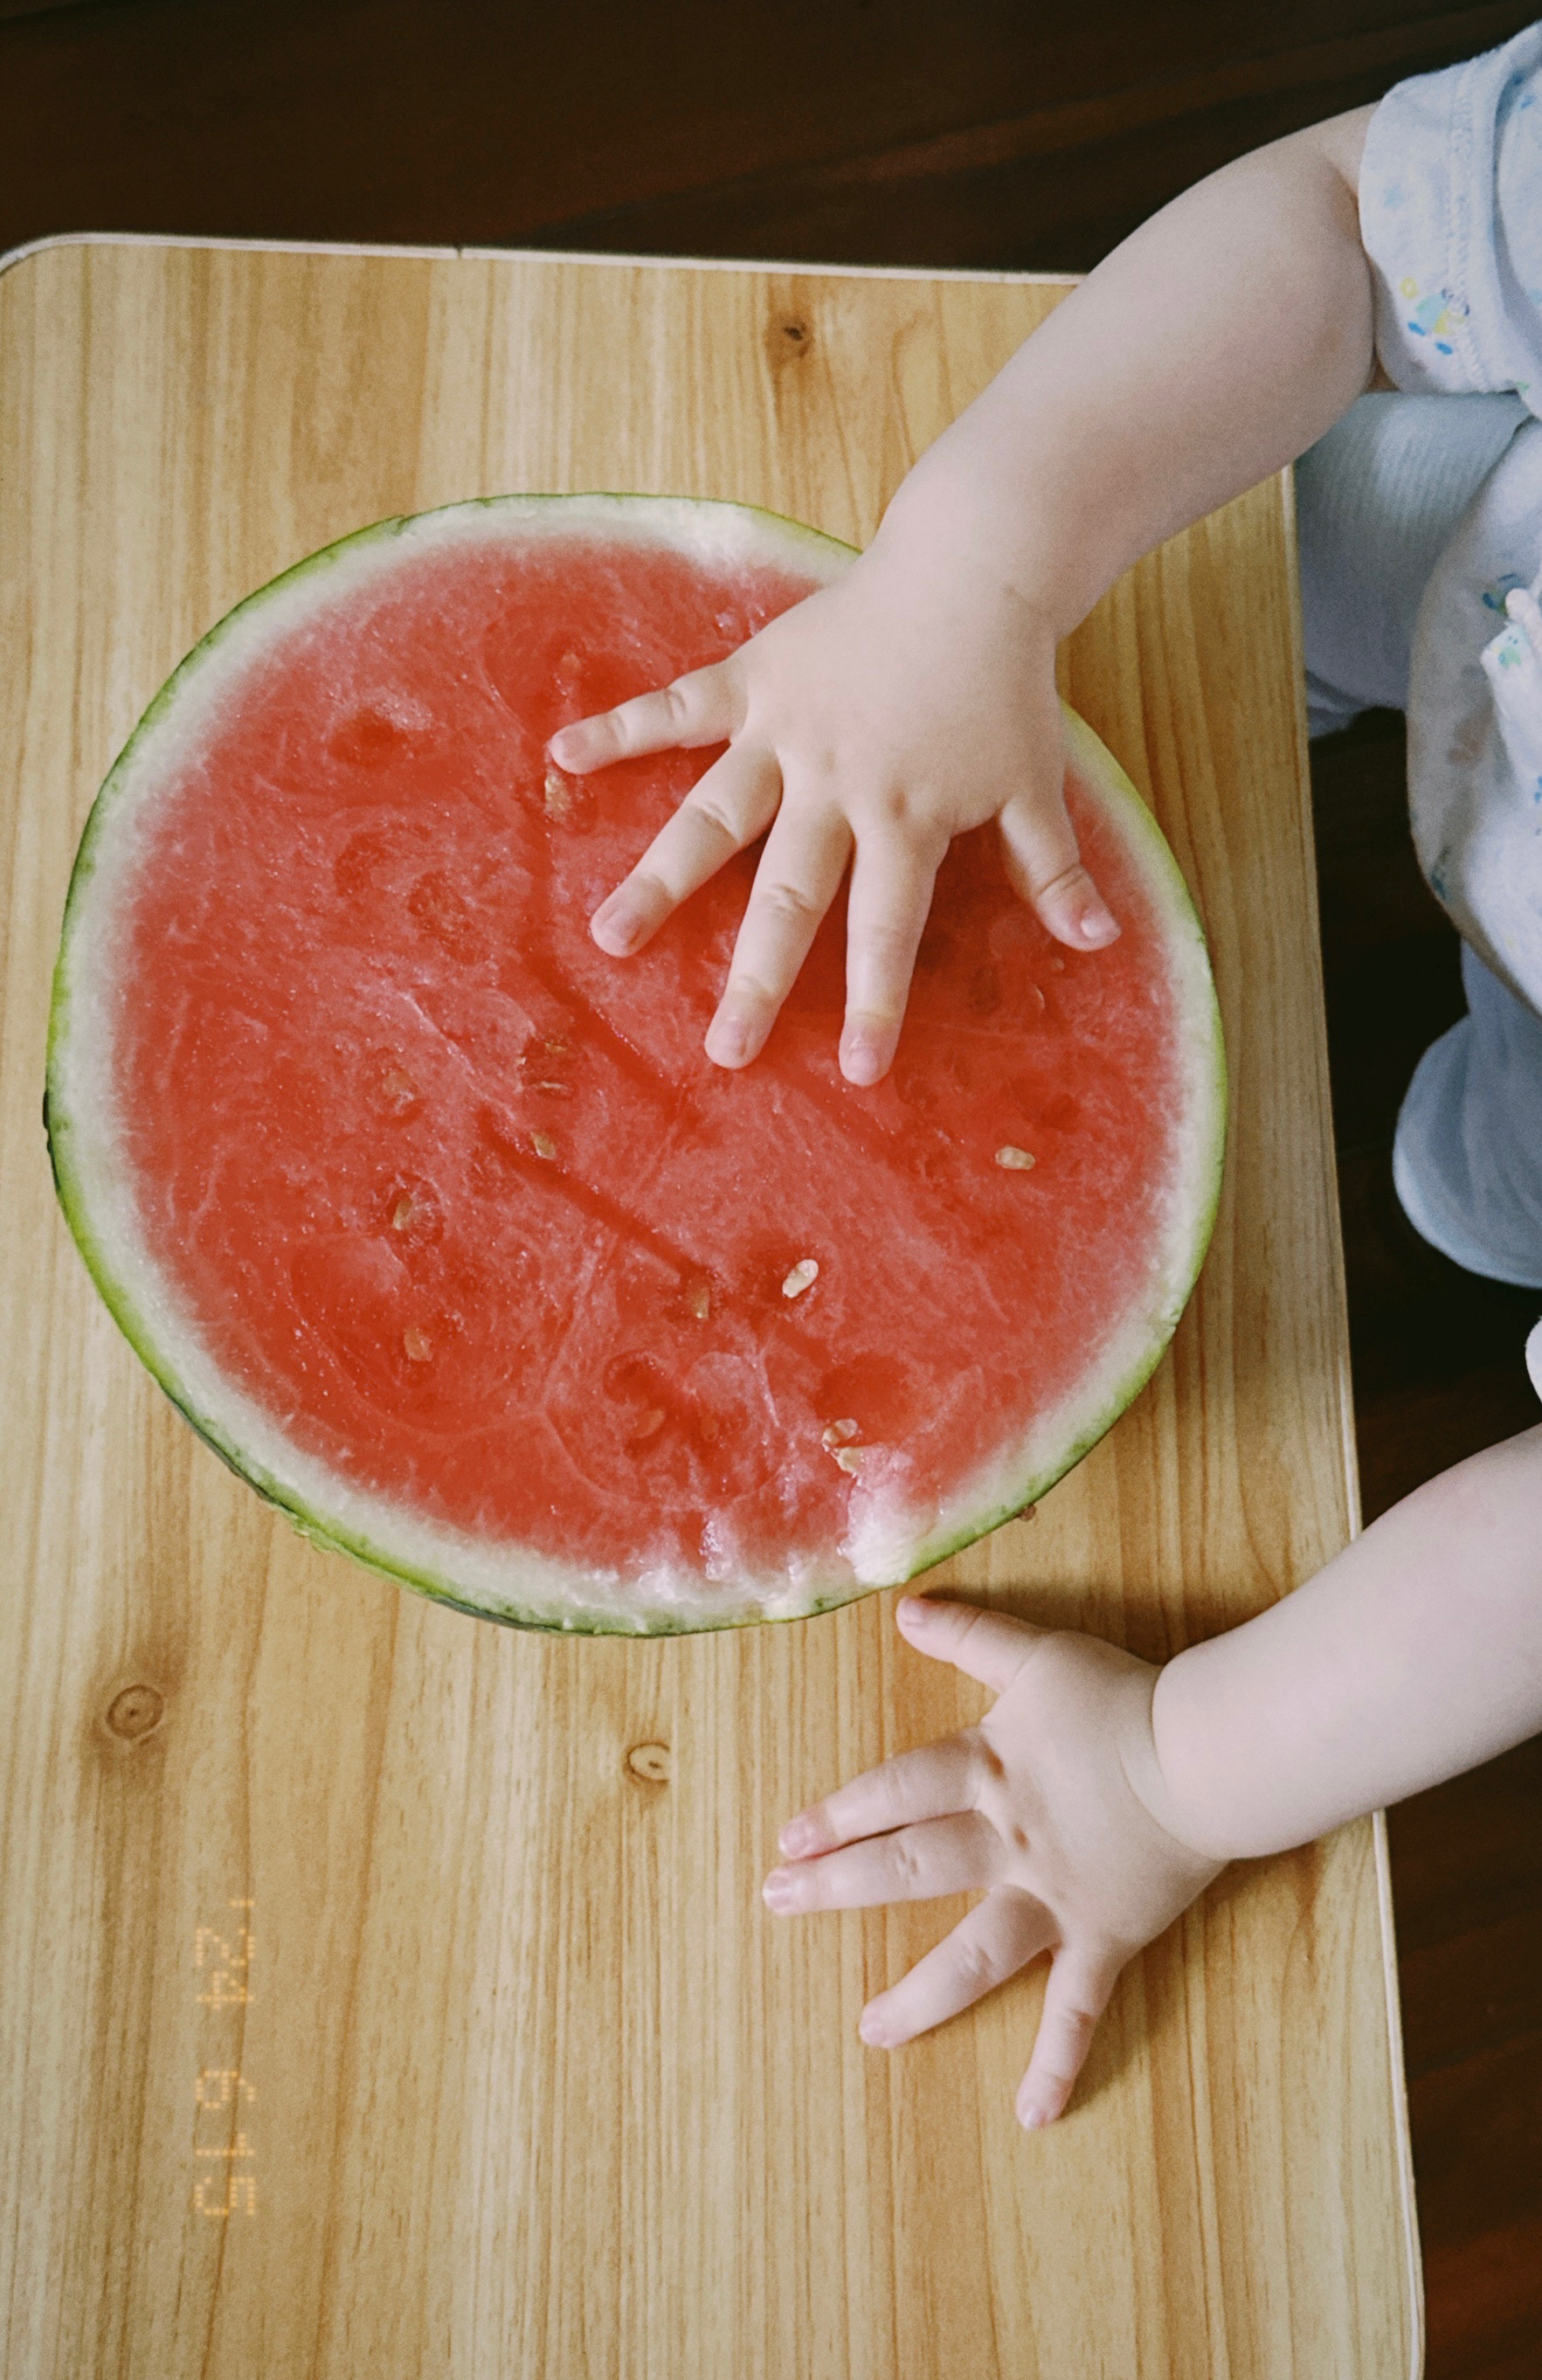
1412 2255
1285 483
611 257
1402 2134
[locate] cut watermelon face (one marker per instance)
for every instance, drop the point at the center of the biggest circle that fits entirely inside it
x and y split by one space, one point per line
437 1223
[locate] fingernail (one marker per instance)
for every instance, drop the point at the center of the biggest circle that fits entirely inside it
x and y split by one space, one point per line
875 2031
798 1836
728 1042
1097 928
912 1610
561 743
1033 2118
861 1059
778 1890
617 928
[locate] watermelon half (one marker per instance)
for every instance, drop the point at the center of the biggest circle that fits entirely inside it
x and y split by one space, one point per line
435 1221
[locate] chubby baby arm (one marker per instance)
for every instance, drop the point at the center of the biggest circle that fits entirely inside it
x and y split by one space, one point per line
1414 1655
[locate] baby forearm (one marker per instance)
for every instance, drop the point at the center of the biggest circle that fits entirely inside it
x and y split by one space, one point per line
1206 351
1415 1653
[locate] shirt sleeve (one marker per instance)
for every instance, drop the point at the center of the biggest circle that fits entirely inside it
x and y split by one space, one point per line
1451 214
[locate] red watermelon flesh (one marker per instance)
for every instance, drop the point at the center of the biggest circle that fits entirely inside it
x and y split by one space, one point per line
457 1204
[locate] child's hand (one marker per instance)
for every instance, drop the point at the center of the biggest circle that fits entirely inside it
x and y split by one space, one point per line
1052 1806
881 716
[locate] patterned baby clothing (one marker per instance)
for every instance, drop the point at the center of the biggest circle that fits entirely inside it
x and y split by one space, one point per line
1421 533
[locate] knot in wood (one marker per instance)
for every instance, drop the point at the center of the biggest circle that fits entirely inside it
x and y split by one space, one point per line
790 339
649 1762
134 1712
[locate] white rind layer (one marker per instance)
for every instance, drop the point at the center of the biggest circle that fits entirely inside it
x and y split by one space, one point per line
884 1546
886 1555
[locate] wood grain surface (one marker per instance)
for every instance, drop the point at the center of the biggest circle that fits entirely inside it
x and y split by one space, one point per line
382 1991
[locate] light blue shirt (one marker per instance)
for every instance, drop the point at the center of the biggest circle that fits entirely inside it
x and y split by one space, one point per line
1451 214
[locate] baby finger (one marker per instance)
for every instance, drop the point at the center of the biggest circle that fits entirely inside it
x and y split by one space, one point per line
730 804
886 913
799 877
1080 1984
935 1780
1046 867
984 1949
957 1854
704 707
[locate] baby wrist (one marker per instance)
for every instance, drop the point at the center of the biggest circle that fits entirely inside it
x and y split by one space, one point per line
948 519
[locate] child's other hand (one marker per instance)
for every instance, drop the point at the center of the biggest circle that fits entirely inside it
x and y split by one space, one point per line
1051 1806
871 723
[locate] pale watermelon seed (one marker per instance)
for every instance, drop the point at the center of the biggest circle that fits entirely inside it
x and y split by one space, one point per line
803 1276
698 1297
417 1346
544 1144
840 1433
1013 1160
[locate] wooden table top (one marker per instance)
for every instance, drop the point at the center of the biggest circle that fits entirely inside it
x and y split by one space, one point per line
384 1991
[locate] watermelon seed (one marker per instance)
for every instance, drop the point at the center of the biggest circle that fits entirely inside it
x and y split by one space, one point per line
698 1297
570 661
559 794
1057 963
544 1144
399 1089
709 1426
564 1087
840 1433
1013 1160
803 1276
418 1345
650 1425
851 1458
558 1048
402 1215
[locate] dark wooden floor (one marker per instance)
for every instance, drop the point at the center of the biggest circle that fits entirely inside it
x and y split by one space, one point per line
943 132
1438 1373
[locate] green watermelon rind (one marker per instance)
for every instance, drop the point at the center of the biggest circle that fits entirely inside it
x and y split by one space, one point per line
649 518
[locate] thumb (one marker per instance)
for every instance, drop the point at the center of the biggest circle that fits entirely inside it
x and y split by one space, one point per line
985 1645
1046 867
